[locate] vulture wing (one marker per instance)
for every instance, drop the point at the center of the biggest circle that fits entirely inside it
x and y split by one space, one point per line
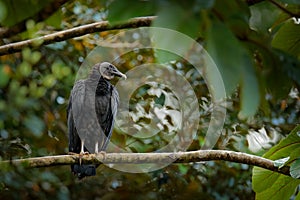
110 118
76 98
80 107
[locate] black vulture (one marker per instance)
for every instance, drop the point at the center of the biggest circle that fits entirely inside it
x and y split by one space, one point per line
91 112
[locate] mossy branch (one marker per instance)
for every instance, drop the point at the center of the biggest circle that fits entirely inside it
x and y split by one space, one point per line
143 158
72 33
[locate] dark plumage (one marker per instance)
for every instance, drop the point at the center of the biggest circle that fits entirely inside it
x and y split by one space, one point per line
91 112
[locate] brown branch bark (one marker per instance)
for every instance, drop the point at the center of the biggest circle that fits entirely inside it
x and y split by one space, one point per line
138 158
74 32
46 12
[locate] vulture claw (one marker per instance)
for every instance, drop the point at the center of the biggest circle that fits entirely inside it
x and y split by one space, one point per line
81 154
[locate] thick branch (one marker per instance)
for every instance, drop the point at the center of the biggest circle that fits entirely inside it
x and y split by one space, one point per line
138 158
40 16
74 32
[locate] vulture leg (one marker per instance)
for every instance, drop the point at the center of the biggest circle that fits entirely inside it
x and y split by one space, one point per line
82 147
96 147
82 152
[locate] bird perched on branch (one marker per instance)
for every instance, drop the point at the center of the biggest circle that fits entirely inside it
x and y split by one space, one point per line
91 112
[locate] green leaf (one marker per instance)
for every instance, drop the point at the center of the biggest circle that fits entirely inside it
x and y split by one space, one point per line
49 80
36 91
175 17
56 69
278 71
31 56
286 146
295 154
235 66
55 19
35 57
272 185
25 68
4 75
183 168
66 71
171 47
120 10
235 14
262 179
3 11
282 188
295 169
18 10
290 65
227 55
298 196
291 1
263 16
288 38
249 91
26 52
204 4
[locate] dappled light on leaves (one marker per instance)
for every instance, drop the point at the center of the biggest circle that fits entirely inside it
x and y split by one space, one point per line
260 140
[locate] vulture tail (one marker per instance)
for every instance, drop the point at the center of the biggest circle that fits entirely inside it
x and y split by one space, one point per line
82 171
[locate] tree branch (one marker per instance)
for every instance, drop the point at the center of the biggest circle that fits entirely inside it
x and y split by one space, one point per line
74 32
40 16
138 158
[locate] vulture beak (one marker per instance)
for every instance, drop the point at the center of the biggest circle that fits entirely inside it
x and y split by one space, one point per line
124 76
118 73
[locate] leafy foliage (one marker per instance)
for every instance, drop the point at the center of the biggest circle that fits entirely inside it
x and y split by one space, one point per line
287 39
13 13
273 185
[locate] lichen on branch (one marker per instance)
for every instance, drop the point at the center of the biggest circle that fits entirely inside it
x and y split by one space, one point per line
146 158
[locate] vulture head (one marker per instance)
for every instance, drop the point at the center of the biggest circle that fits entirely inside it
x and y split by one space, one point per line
109 71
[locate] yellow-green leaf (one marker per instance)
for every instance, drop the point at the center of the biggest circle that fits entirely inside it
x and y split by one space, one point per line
272 185
288 38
